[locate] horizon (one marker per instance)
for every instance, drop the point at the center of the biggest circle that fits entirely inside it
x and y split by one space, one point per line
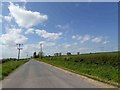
60 27
65 55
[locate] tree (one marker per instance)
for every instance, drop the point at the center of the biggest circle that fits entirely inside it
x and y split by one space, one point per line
68 53
78 53
34 54
55 54
60 54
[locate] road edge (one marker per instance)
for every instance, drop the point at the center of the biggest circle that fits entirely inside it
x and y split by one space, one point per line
89 80
10 74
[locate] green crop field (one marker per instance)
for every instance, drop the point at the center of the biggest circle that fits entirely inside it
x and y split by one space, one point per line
100 66
7 67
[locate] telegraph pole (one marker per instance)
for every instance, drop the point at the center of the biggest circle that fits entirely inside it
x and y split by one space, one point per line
41 50
19 48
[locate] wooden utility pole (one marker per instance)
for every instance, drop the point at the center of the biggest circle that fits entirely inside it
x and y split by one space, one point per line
19 48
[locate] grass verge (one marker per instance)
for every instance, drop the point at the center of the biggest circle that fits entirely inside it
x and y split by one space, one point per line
9 66
101 69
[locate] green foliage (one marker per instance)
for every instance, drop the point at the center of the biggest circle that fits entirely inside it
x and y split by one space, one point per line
9 66
68 53
8 59
78 53
57 54
99 65
35 55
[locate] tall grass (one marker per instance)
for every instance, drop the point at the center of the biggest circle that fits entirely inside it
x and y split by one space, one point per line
100 66
9 66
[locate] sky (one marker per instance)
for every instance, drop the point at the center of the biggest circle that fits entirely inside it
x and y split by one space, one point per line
60 26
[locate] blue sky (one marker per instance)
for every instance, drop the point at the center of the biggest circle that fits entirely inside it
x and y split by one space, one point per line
60 27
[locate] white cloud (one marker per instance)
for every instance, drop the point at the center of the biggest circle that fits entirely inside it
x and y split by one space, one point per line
26 18
105 42
31 48
12 37
84 50
75 43
101 40
8 18
8 51
47 44
66 46
1 18
48 35
77 37
97 39
73 37
30 30
12 52
58 26
44 34
66 26
85 38
0 51
82 39
23 0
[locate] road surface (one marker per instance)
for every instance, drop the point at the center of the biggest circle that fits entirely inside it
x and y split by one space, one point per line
35 74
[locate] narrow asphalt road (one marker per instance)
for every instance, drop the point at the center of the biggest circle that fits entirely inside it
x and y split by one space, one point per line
36 74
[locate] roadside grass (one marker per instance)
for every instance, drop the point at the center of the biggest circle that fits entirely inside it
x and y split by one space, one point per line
9 66
100 66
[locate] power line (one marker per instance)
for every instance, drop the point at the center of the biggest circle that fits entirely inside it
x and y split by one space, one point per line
19 49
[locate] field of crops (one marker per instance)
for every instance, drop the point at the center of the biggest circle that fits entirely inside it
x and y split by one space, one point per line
7 67
100 66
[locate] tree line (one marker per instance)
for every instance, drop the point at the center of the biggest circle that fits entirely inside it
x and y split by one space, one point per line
41 54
